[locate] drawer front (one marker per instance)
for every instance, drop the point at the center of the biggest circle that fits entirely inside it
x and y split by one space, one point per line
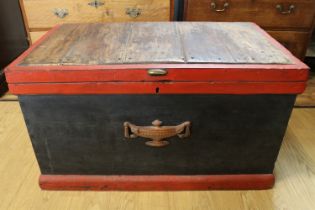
86 134
47 13
266 13
294 41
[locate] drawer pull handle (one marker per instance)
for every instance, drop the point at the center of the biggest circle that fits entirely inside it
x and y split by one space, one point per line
157 72
96 3
157 132
290 10
61 13
214 7
133 12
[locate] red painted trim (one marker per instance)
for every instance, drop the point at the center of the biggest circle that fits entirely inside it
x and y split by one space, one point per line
164 88
293 66
135 75
162 182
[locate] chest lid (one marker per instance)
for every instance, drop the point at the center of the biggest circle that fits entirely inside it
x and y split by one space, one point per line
139 43
161 52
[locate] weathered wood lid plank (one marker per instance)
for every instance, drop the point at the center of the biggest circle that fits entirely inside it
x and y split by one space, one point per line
150 43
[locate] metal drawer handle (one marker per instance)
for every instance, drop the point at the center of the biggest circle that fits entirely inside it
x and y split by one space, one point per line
214 6
157 72
61 13
290 10
157 132
133 12
96 3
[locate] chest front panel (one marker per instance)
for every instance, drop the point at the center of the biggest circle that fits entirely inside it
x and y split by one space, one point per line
230 134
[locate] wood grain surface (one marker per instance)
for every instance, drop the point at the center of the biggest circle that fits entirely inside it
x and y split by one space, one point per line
227 43
294 188
295 41
40 13
34 36
307 99
262 12
134 43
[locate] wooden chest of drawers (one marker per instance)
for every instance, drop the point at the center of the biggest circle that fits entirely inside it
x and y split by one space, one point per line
290 22
41 15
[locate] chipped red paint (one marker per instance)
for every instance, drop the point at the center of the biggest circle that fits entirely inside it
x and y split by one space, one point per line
157 182
139 75
163 88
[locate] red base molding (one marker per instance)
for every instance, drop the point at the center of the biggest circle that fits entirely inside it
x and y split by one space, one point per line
157 183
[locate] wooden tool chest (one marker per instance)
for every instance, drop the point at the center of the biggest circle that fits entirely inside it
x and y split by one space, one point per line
157 106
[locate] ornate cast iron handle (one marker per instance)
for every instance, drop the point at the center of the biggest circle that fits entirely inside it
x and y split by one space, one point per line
290 10
61 13
96 3
214 6
157 132
133 12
